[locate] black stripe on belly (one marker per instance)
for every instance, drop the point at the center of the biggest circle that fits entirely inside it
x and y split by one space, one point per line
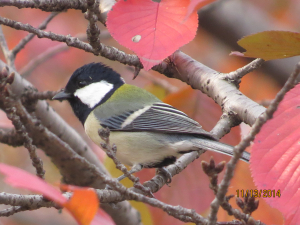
165 162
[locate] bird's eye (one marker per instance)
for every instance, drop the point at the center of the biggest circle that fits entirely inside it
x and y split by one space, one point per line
81 83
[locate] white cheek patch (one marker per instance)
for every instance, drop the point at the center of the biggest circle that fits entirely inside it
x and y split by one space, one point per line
92 94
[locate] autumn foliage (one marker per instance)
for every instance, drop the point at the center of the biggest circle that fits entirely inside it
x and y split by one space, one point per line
146 33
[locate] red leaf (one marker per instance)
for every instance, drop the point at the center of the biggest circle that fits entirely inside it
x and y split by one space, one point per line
275 158
22 179
83 204
152 30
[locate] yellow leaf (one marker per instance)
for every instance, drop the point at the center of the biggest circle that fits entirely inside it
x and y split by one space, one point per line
270 45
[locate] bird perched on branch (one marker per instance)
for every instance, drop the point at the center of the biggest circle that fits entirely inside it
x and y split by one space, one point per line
147 132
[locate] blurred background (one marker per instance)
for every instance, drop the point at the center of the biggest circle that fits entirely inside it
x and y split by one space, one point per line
221 25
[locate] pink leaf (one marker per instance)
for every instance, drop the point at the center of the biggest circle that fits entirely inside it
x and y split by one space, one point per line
83 204
22 179
275 158
152 30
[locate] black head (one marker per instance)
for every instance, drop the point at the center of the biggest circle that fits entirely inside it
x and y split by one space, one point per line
88 87
92 73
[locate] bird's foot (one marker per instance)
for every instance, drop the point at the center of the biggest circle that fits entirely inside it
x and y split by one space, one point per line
107 187
166 173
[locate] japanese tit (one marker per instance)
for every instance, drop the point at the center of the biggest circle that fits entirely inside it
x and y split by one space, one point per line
147 132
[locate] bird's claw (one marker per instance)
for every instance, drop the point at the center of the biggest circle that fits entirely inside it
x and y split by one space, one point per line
107 187
166 173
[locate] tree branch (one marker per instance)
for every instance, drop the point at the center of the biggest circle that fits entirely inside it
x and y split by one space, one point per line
4 47
29 37
12 210
75 169
106 51
29 202
237 75
10 137
5 80
46 55
210 82
47 5
238 150
93 32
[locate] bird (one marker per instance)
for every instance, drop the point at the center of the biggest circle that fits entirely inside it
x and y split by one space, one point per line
148 133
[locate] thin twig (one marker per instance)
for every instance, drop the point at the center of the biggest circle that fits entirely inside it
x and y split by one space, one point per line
226 122
239 73
265 102
93 30
10 137
29 37
33 95
46 5
238 149
212 171
20 128
46 55
28 201
8 57
36 161
12 210
106 51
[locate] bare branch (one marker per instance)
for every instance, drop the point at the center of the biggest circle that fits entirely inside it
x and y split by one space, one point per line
34 95
212 171
238 150
29 202
55 124
8 57
75 169
46 55
29 37
10 137
47 5
239 73
226 122
233 103
93 32
107 52
158 181
12 210
20 128
207 80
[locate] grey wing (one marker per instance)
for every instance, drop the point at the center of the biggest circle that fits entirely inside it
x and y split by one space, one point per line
159 117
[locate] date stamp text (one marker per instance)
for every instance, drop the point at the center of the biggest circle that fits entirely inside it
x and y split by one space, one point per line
262 193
